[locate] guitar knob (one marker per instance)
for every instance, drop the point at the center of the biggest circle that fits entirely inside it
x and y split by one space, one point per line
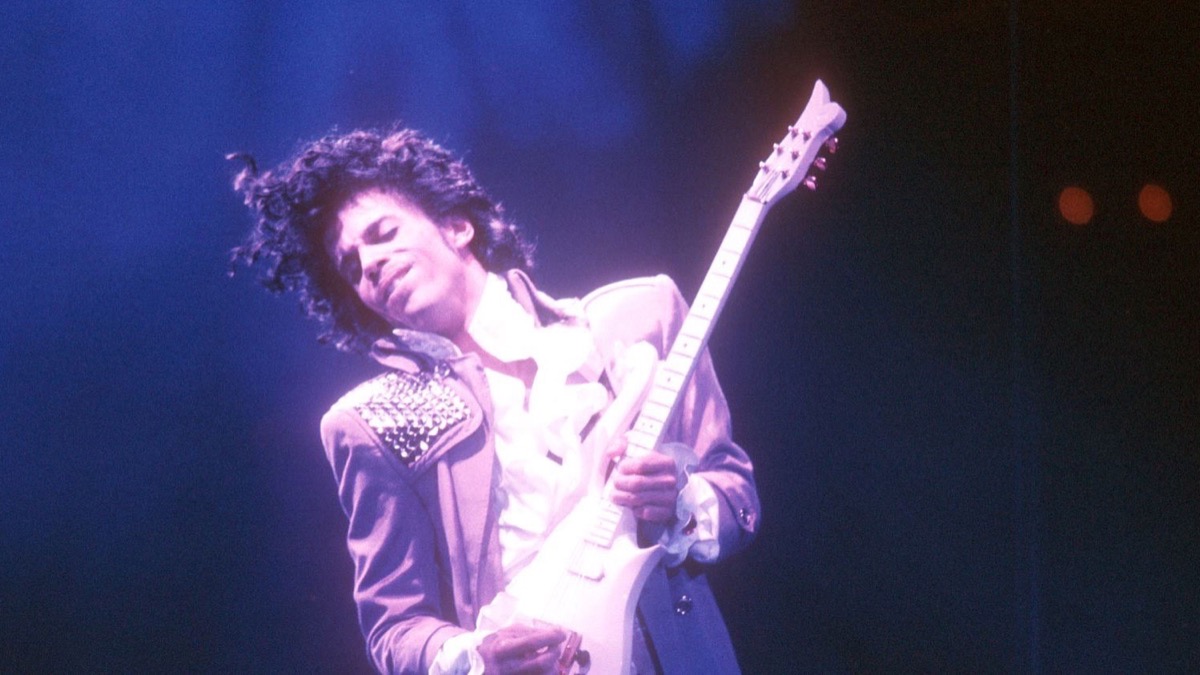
810 182
831 145
819 163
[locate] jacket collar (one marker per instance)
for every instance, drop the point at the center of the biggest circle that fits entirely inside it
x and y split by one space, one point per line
412 350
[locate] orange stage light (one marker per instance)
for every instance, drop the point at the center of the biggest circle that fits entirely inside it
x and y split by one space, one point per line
1076 206
1155 203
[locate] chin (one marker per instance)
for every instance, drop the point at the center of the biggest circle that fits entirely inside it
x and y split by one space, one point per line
412 318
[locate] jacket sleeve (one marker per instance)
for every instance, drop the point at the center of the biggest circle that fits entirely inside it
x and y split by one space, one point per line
391 540
653 309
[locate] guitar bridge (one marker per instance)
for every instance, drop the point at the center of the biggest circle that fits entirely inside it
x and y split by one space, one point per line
572 660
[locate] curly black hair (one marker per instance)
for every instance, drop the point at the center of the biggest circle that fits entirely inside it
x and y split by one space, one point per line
294 205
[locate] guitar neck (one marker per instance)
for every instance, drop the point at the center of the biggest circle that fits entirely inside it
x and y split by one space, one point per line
779 174
697 326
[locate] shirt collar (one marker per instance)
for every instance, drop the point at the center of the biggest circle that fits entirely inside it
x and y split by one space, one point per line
500 326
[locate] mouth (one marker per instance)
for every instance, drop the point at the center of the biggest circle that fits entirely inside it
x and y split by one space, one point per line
391 279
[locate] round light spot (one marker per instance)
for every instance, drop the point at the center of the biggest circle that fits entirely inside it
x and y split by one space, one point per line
1076 206
1155 203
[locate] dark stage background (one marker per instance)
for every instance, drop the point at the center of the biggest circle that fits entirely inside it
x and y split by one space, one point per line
975 424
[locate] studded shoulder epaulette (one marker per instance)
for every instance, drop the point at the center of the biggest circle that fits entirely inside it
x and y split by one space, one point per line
410 411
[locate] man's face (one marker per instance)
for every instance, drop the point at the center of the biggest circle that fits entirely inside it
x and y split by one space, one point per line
405 267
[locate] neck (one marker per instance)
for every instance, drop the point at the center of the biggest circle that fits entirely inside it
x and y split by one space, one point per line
523 370
474 279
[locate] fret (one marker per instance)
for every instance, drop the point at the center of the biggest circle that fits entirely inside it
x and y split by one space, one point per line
662 396
600 523
642 441
686 346
600 537
705 308
656 411
749 213
678 363
671 379
714 286
737 239
609 513
604 527
725 263
649 426
695 327
667 378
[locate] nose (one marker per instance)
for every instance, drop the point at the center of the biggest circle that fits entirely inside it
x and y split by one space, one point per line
373 267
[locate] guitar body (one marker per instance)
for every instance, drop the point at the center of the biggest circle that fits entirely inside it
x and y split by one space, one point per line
596 599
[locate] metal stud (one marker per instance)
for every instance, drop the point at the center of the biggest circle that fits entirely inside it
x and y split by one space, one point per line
410 411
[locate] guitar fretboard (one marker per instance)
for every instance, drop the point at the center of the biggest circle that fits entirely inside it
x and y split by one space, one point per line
693 335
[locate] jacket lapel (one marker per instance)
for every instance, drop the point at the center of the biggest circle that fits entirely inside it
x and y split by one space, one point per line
467 479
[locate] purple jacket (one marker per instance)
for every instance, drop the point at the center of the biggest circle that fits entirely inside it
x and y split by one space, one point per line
412 455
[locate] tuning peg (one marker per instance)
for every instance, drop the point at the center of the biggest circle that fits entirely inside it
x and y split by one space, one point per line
831 145
807 135
793 131
819 163
778 149
763 167
810 182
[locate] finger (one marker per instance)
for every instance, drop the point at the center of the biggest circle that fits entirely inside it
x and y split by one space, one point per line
662 498
638 484
635 502
533 651
617 447
665 499
543 638
544 663
642 490
523 639
648 465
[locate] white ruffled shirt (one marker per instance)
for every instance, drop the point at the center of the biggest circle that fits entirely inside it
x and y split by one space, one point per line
537 441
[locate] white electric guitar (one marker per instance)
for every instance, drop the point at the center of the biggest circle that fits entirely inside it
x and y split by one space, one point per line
588 575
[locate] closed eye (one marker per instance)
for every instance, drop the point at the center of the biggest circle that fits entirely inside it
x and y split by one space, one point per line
380 231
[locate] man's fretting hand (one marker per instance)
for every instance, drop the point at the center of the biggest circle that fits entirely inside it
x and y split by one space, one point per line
648 485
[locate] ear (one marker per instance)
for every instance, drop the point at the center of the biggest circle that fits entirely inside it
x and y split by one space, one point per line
459 233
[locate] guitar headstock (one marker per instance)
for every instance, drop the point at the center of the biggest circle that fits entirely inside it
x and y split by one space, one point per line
788 164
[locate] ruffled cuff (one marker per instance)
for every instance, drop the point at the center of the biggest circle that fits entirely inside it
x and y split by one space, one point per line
459 655
695 531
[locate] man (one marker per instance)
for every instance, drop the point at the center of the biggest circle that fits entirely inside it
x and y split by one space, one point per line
455 465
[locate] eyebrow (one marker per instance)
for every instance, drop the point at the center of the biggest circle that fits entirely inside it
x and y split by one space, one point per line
370 230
